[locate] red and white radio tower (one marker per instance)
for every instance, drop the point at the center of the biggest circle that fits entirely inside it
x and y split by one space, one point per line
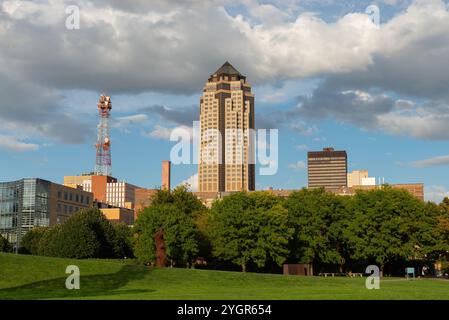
103 145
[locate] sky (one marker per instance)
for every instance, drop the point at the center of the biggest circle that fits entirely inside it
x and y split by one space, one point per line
325 73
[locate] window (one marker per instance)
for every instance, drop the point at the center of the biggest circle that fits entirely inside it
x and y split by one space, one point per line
59 194
65 195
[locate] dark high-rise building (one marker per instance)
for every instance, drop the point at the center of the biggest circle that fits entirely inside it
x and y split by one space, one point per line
226 119
327 168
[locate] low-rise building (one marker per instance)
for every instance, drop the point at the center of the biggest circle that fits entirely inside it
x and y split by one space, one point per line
142 198
415 189
360 178
110 191
33 202
119 215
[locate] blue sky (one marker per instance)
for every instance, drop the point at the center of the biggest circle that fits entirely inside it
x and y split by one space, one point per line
323 75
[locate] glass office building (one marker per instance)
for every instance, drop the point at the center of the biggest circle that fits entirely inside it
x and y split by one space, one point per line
24 204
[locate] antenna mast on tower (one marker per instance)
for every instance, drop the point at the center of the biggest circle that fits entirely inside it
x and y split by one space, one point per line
103 145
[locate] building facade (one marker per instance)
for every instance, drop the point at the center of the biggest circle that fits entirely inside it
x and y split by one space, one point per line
105 189
143 198
415 189
360 178
327 168
226 127
113 193
29 203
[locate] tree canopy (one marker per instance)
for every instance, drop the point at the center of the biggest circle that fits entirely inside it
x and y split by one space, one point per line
387 224
86 234
319 219
180 233
5 246
250 228
173 213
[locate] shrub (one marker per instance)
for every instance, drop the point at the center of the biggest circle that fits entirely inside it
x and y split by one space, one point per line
86 234
5 246
30 241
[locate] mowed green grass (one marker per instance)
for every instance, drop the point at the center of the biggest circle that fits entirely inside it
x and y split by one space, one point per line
31 277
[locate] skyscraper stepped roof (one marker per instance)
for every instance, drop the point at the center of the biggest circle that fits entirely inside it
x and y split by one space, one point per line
228 69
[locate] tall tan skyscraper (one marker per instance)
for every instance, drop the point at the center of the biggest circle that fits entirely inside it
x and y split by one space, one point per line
226 148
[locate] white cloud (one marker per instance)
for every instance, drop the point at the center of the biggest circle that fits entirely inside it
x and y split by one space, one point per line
124 123
137 46
300 165
164 133
429 126
277 46
303 128
435 193
431 162
13 144
191 182
132 119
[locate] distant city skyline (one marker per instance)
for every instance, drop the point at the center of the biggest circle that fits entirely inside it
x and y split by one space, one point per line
323 73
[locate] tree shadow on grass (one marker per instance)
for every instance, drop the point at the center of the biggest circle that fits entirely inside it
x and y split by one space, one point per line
92 285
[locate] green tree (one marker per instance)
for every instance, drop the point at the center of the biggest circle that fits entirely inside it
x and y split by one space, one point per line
319 219
202 222
5 246
444 205
249 228
441 231
46 246
124 238
433 237
180 233
186 201
30 241
387 224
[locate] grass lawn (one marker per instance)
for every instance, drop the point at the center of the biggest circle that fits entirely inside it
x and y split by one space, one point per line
31 277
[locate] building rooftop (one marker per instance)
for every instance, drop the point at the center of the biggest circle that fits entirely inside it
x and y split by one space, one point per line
327 152
228 69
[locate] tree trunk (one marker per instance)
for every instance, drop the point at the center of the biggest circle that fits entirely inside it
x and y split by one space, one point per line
243 267
382 270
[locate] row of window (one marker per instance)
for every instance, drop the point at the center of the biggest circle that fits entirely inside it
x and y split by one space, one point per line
69 196
67 209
